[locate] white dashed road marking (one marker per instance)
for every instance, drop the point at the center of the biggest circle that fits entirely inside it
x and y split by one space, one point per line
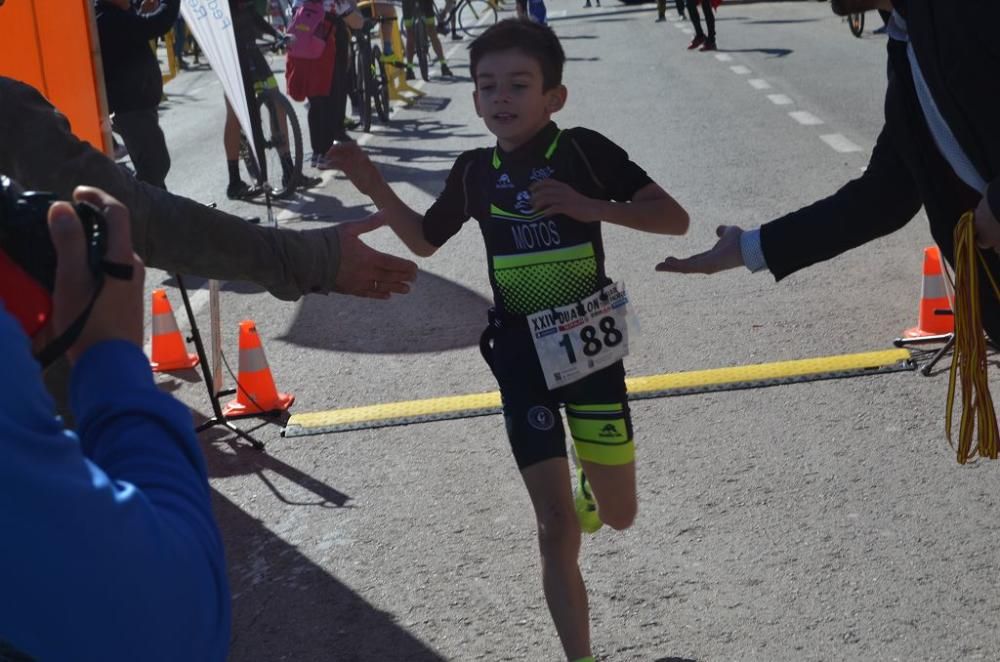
739 69
779 99
759 84
804 117
839 143
723 57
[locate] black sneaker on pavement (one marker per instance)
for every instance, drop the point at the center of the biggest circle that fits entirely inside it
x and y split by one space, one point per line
410 75
709 45
696 42
445 71
240 190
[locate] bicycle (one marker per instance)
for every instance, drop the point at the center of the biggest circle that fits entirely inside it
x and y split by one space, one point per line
281 133
472 16
856 22
369 83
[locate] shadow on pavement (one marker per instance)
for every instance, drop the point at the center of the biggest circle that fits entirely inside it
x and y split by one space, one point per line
286 607
773 52
674 659
437 315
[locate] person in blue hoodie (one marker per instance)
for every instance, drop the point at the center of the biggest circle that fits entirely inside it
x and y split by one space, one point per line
109 547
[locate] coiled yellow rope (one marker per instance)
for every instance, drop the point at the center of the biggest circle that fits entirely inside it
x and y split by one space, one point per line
969 361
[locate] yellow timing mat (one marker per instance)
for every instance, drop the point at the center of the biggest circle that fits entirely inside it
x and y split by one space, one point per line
653 386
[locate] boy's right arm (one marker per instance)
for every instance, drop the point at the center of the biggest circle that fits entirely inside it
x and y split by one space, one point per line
404 221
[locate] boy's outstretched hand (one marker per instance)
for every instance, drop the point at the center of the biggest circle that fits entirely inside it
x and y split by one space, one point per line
551 197
365 272
352 160
724 255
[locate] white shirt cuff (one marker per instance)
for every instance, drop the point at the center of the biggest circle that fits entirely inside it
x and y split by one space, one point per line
753 254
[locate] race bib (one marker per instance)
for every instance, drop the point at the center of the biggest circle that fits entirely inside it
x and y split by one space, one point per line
579 339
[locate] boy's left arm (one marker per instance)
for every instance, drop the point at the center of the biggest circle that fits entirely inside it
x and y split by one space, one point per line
650 210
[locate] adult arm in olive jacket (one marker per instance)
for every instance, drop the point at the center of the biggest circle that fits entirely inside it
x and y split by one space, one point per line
176 234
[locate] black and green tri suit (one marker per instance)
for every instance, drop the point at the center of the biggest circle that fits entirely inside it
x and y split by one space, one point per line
535 263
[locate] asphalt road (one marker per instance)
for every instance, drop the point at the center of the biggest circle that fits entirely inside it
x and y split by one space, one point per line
818 521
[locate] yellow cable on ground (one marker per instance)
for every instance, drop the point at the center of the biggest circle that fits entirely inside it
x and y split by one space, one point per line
969 362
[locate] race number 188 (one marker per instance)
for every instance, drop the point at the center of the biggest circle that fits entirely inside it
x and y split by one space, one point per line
592 339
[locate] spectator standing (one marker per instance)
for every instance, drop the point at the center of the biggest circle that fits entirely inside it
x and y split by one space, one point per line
134 83
707 43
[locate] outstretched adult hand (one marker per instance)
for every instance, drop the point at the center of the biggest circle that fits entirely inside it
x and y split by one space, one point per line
365 272
354 162
724 255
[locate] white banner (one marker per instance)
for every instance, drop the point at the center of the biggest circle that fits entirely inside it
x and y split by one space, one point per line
211 23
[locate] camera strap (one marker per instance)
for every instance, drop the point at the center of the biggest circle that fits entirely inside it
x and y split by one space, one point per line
60 345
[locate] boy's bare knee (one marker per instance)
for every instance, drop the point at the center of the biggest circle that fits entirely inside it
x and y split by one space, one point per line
619 518
559 535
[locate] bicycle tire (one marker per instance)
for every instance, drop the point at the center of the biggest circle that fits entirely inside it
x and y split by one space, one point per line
366 85
381 86
474 16
272 104
856 23
421 44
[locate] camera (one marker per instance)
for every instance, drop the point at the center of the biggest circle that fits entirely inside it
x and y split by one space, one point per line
24 232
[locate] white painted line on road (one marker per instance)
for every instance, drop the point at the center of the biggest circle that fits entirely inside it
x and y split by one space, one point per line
779 99
556 14
804 117
759 84
739 69
687 30
722 57
840 143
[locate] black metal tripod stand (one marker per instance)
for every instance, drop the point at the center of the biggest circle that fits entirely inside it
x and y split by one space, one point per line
218 418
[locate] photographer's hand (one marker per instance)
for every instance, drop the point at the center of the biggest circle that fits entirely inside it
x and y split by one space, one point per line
117 313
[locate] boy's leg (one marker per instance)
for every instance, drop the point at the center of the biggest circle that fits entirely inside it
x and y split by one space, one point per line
614 491
559 547
601 426
538 441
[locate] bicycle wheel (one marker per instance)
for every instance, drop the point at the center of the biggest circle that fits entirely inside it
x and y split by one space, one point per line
474 16
366 85
856 23
280 128
381 87
421 41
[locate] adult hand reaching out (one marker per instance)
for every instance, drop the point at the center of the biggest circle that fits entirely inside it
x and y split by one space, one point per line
724 255
365 272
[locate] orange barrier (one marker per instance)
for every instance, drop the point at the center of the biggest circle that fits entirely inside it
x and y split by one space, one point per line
255 390
169 352
935 316
53 47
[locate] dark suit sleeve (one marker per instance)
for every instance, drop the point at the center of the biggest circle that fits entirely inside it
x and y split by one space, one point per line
881 201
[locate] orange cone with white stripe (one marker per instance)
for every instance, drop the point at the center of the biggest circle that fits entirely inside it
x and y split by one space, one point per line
255 390
935 317
168 349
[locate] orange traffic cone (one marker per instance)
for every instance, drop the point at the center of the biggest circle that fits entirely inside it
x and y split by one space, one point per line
169 352
255 391
933 298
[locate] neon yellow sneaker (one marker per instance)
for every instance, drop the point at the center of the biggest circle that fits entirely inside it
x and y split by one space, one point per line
586 507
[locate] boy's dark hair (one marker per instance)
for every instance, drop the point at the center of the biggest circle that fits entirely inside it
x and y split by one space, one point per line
533 39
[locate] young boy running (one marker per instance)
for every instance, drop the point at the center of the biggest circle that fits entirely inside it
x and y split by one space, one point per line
539 196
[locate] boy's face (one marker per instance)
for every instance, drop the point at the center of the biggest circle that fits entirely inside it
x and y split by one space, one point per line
510 99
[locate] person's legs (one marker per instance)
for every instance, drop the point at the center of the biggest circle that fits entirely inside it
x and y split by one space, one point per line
680 8
338 93
706 6
559 547
699 34
147 147
320 131
231 133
